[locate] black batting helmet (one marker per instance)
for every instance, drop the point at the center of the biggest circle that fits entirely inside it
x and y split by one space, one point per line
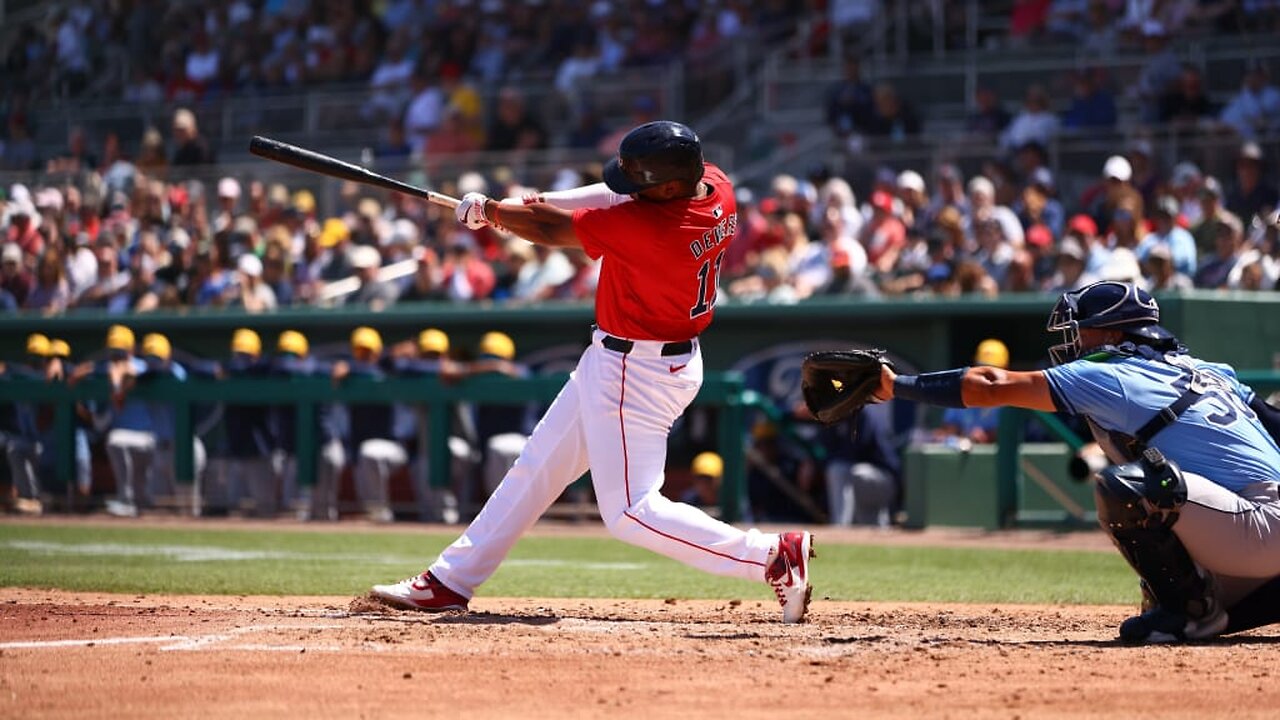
652 154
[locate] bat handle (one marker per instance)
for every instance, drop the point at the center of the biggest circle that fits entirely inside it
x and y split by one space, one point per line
443 200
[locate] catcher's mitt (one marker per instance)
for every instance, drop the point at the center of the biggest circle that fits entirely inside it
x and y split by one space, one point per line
837 383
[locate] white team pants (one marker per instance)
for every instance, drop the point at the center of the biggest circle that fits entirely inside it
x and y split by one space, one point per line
612 417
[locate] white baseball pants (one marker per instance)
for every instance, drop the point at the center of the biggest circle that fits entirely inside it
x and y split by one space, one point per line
612 417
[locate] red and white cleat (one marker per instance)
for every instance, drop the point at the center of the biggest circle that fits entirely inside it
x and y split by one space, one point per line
421 592
788 573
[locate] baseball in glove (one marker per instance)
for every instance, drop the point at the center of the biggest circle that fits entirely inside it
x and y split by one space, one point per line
838 383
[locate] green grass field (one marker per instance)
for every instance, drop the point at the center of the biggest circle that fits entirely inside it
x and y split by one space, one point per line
233 561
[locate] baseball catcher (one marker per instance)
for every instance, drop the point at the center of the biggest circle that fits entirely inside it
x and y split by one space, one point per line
838 383
1190 497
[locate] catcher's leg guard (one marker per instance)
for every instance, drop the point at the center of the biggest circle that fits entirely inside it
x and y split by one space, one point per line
1138 504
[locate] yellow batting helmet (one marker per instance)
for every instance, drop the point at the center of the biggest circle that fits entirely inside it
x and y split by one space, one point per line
157 345
432 340
292 341
38 344
992 352
366 338
709 464
498 344
247 342
120 337
59 348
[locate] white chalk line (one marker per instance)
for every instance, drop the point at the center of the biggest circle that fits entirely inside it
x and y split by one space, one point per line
213 553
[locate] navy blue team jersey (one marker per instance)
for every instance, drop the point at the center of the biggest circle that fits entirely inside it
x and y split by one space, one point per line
1217 437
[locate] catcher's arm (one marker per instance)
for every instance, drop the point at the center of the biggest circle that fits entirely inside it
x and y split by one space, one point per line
985 386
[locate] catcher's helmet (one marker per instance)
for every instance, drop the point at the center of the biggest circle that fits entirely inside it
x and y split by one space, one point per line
1106 305
652 154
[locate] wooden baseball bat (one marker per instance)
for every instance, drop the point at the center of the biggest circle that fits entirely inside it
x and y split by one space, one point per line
282 152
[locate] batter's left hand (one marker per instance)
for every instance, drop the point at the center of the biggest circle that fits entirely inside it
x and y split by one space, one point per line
470 211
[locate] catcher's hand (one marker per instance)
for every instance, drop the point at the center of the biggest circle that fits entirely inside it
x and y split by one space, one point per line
837 383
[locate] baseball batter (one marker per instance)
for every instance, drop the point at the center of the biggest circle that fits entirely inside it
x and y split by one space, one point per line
661 254
1191 501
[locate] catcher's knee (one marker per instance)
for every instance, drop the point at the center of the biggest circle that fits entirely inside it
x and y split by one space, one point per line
1144 495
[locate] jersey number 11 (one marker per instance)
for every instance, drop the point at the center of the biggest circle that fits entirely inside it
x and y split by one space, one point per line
707 291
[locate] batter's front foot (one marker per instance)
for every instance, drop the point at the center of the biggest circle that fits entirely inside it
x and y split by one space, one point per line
421 592
787 571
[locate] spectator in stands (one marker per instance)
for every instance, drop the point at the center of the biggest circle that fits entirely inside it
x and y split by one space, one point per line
1145 175
1070 271
24 223
849 101
466 276
275 273
228 199
863 472
1186 106
514 127
1185 182
989 118
883 236
389 83
1122 239
1038 203
377 294
914 198
1228 246
1251 194
190 148
1035 123
1067 19
1158 74
425 112
51 293
1166 232
15 279
1091 105
18 152
891 116
1212 214
1115 189
1161 275
248 290
982 207
1255 110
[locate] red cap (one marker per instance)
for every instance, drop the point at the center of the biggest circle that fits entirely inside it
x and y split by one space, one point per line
1039 236
882 200
178 196
840 259
1084 225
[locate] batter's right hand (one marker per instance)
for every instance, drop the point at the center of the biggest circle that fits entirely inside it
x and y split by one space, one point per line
470 211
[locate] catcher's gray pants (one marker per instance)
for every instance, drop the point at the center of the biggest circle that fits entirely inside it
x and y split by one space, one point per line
23 456
859 493
1234 536
379 458
131 453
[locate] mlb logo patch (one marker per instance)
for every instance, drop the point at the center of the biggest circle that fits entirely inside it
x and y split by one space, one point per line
716 212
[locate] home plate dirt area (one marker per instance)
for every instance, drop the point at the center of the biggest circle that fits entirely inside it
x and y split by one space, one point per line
80 655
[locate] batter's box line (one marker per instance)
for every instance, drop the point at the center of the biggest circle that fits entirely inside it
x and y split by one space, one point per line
203 642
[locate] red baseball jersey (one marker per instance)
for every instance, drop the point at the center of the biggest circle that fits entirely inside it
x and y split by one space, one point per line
661 261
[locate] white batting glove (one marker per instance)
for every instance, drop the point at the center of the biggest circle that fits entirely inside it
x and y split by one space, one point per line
470 211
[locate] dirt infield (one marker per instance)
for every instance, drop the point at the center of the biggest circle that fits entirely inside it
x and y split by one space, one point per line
93 655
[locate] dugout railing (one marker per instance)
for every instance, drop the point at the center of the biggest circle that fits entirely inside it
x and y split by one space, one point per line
723 391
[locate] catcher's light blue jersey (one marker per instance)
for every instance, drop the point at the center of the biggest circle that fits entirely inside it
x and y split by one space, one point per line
1218 437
